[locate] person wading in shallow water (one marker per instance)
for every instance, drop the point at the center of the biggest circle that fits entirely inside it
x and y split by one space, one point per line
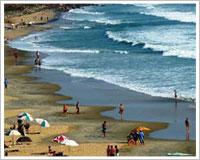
121 111
187 125
175 97
77 107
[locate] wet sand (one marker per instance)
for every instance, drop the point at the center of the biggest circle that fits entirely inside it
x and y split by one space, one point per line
40 100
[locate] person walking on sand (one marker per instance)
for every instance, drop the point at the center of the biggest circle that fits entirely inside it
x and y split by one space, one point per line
141 137
104 128
6 83
77 107
108 150
121 111
116 151
187 125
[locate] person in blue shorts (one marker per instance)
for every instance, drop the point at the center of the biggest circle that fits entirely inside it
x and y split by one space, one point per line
6 83
141 137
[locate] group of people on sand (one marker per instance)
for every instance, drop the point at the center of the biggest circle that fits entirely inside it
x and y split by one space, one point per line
65 108
22 127
133 137
111 151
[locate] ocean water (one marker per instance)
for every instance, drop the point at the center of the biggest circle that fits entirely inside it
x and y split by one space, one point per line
149 48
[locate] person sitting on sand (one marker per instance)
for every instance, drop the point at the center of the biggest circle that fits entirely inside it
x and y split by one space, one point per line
54 153
104 128
13 127
135 137
77 107
50 151
141 137
108 150
130 140
27 126
116 151
6 146
112 151
121 111
65 108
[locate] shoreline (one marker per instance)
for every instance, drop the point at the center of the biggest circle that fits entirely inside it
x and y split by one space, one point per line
47 88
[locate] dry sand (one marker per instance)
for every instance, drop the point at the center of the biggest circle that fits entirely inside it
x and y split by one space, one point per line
39 99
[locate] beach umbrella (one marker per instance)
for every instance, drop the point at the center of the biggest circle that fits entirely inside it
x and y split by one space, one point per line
142 128
24 114
12 133
24 139
27 118
65 141
69 142
42 122
60 138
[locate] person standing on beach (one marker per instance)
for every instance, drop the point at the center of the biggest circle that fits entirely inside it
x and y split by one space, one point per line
121 111
77 107
104 128
116 151
112 151
187 125
65 108
108 150
6 83
141 137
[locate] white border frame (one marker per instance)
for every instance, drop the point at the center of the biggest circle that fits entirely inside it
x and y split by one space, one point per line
102 2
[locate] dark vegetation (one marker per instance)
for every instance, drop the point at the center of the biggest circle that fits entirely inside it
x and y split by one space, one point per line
12 10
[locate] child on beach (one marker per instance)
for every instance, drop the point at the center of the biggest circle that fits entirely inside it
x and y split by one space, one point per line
104 128
77 107
64 108
6 83
121 111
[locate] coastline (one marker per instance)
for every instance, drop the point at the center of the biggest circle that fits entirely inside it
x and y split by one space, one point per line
43 94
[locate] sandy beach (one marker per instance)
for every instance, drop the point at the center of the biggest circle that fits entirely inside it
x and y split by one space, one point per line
24 94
